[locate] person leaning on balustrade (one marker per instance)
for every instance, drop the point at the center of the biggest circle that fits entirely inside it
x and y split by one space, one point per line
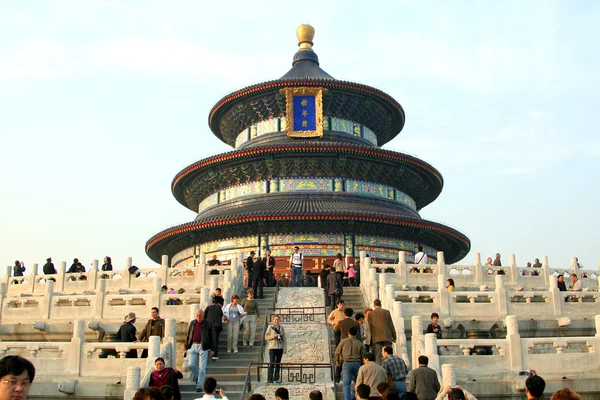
127 332
16 376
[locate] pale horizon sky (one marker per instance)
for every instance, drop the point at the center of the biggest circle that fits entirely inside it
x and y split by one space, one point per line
103 102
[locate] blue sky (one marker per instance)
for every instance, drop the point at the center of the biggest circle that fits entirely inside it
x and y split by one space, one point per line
103 102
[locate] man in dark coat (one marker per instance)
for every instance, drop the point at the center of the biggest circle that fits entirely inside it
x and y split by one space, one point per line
335 287
269 265
198 347
260 272
126 333
49 269
324 274
213 315
382 329
424 381
250 268
154 327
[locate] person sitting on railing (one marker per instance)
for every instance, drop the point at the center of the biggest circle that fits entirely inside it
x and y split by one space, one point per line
172 301
565 394
489 262
212 263
420 257
455 393
18 270
575 286
107 266
210 388
127 333
433 327
282 394
560 282
497 261
77 267
450 285
73 266
163 376
537 263
348 358
277 346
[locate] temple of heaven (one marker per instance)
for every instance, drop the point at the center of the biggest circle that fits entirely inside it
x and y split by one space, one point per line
307 169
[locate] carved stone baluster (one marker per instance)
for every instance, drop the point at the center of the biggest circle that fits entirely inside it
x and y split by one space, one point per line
466 349
560 346
590 347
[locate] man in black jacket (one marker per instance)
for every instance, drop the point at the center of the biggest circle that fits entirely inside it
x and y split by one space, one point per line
324 274
198 344
250 268
49 269
126 333
213 315
259 279
335 287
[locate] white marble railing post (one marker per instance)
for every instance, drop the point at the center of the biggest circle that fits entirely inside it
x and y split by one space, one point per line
390 296
75 348
133 382
555 296
100 296
214 283
431 351
441 264
416 322
227 289
479 277
513 339
514 271
48 299
33 276
62 276
382 282
448 375
153 351
201 270
398 319
545 269
402 270
502 298
597 321
171 341
93 276
156 292
3 289
443 295
205 300
7 274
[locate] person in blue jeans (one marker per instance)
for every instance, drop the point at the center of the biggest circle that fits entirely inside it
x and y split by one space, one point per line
296 265
349 353
198 344
396 368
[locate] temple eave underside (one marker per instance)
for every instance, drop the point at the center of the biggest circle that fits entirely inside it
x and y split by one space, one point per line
170 242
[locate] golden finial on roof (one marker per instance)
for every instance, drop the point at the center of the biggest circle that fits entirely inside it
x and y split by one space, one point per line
305 34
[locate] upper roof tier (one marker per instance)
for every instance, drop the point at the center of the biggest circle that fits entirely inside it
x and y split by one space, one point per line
355 102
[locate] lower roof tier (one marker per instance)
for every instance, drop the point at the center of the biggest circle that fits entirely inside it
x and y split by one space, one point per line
327 216
305 158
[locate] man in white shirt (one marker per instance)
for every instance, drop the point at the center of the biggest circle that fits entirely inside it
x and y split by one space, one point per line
296 265
210 387
420 257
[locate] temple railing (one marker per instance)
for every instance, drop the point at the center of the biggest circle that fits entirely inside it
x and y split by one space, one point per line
290 373
492 357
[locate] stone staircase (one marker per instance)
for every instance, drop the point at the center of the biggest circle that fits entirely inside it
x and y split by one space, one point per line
353 299
230 370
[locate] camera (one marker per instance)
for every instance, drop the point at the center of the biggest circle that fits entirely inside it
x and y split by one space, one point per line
526 372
